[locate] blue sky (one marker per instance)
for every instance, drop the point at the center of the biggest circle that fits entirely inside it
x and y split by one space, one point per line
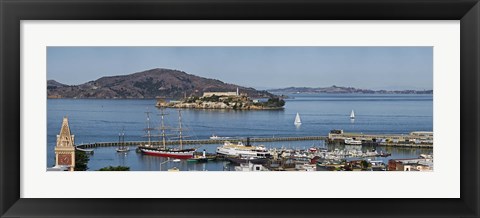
390 68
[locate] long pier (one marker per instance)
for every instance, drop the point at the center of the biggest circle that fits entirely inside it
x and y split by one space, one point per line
332 138
419 139
201 141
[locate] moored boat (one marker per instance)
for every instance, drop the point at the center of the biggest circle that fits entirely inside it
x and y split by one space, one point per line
350 141
163 151
173 153
121 141
239 149
200 158
89 151
240 153
216 137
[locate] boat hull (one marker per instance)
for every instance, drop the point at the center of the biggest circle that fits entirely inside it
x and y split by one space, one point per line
181 154
354 144
198 160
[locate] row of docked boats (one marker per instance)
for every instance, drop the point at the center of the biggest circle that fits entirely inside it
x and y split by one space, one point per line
247 157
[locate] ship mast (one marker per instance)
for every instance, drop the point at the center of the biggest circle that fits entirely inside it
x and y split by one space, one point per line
162 127
121 139
148 129
180 129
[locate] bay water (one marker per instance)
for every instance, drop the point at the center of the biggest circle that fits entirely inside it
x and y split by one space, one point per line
101 120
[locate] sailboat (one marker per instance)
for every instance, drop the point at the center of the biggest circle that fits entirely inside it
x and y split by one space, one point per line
352 115
121 142
297 120
163 151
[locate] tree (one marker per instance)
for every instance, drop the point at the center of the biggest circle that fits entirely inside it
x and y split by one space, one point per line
192 99
364 164
117 168
212 98
275 102
81 161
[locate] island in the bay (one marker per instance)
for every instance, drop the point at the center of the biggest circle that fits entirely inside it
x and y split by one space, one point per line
178 89
224 100
172 88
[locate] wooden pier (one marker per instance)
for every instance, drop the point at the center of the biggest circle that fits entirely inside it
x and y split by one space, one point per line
419 139
202 142
389 140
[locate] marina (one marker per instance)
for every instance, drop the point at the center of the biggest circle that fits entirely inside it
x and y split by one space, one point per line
247 157
322 158
319 141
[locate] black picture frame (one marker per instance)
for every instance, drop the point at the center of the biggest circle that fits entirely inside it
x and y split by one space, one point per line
13 11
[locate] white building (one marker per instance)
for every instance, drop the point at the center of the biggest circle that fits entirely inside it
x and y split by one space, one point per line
209 94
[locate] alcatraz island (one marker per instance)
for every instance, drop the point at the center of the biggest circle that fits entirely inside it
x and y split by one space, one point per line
178 89
224 100
171 88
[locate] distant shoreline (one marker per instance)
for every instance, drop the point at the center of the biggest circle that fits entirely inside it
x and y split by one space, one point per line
285 97
345 90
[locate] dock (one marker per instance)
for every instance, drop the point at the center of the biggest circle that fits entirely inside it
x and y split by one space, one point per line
412 140
201 141
419 139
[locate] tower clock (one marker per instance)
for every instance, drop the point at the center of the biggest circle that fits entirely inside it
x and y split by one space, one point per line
65 148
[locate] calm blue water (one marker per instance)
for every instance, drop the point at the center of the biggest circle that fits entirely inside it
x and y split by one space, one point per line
95 120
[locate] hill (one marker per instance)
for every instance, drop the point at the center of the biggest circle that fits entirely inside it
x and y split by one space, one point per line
52 84
340 90
154 83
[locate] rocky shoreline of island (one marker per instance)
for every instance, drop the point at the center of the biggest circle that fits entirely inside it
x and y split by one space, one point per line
225 100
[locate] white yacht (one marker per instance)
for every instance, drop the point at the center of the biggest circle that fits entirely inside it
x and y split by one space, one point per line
239 149
350 141
216 137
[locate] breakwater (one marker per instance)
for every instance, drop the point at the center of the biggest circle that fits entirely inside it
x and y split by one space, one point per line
332 138
201 141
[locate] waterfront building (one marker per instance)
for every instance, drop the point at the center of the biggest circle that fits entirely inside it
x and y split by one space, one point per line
426 134
416 164
209 94
417 137
65 148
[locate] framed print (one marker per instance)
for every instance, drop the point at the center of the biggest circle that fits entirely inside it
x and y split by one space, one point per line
214 104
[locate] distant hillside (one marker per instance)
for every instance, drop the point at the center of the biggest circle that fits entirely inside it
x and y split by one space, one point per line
152 83
339 90
52 84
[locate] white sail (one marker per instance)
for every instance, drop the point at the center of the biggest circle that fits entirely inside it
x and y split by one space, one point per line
352 115
297 120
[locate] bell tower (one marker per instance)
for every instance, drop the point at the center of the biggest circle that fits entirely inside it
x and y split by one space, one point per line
65 149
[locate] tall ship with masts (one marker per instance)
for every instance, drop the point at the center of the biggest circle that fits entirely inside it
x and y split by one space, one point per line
121 142
163 150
